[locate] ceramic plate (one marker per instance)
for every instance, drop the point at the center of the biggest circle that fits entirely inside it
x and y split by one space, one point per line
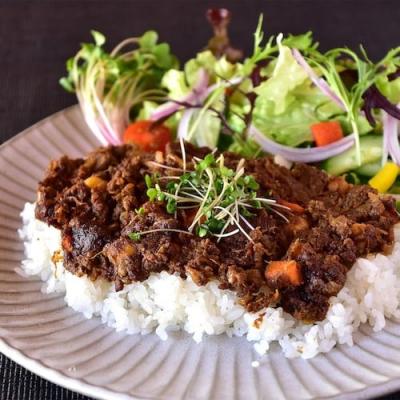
39 332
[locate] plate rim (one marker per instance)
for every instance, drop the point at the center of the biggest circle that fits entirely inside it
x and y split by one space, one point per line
80 386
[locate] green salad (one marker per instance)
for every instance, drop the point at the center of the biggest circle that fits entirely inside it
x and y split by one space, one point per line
335 109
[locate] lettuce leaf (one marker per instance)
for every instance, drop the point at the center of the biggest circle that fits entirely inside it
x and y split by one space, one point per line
287 102
175 83
286 76
207 129
179 83
291 127
216 68
390 89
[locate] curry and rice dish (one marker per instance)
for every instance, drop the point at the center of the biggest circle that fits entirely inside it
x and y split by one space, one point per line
296 258
209 242
248 196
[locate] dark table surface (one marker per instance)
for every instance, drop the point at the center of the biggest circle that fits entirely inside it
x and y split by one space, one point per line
36 37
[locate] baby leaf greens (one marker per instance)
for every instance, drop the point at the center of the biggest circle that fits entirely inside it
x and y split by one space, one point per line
267 102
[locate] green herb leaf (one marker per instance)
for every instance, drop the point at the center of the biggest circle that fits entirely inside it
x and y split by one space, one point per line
171 187
250 182
162 55
135 236
303 42
206 162
152 193
226 172
148 181
202 231
140 211
98 37
246 213
171 206
148 40
67 84
256 204
160 196
214 225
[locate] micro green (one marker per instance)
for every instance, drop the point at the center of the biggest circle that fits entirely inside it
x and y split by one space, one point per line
148 181
140 211
109 84
135 236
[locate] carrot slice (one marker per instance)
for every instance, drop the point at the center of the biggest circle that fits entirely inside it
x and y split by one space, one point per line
283 273
296 208
148 135
327 132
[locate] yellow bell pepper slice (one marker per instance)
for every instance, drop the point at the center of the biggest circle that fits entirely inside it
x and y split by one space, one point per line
385 177
94 182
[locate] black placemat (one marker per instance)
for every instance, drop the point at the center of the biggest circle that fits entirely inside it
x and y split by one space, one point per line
37 37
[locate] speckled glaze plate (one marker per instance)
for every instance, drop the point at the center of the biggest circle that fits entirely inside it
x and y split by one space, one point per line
41 333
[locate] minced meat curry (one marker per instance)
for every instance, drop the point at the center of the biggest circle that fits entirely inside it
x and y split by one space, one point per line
297 262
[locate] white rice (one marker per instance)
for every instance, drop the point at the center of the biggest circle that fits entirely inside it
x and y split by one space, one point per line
166 302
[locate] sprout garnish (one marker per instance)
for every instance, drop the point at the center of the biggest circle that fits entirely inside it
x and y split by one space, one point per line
220 197
109 85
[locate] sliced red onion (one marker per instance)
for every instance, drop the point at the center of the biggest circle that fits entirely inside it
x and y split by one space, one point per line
104 121
197 96
101 130
96 125
103 139
313 154
227 83
319 82
390 137
170 107
183 127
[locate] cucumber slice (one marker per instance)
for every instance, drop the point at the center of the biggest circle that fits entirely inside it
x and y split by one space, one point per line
371 151
369 169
